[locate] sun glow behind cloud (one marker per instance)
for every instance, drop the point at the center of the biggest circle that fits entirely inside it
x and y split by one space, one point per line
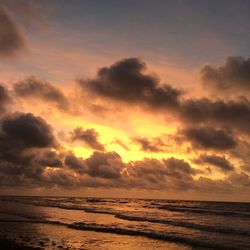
115 119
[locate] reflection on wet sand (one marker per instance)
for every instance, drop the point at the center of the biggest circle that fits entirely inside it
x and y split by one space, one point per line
44 236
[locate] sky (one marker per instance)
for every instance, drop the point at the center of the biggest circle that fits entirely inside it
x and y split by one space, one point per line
146 99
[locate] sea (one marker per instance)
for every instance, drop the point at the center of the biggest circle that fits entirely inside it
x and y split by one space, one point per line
137 224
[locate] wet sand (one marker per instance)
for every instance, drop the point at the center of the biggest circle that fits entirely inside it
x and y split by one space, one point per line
41 236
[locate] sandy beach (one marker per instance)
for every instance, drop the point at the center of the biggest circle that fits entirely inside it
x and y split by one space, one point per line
25 236
82 223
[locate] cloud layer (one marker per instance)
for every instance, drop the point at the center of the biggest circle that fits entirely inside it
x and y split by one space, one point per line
234 76
209 136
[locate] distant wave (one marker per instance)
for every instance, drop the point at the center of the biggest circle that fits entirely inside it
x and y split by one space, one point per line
146 219
204 211
86 202
123 216
171 222
153 205
185 224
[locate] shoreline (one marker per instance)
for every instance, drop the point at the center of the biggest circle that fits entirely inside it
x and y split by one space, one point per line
30 236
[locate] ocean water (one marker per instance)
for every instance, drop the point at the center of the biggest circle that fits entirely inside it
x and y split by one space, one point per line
100 223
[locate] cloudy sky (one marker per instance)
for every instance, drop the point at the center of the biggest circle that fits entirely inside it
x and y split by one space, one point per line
128 98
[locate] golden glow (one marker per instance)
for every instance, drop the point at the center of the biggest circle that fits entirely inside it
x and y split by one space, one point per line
121 125
137 123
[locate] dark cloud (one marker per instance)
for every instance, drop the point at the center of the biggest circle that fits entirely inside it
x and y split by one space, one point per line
210 138
11 38
209 186
234 114
151 170
28 168
24 131
28 148
26 144
49 158
125 81
105 165
36 88
167 167
106 170
89 137
240 179
62 178
177 167
75 163
29 153
218 161
154 145
169 173
231 77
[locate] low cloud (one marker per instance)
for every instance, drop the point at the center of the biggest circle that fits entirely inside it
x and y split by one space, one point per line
105 165
234 114
163 174
29 157
24 131
240 179
33 87
89 137
26 143
220 162
153 145
210 138
77 164
100 165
